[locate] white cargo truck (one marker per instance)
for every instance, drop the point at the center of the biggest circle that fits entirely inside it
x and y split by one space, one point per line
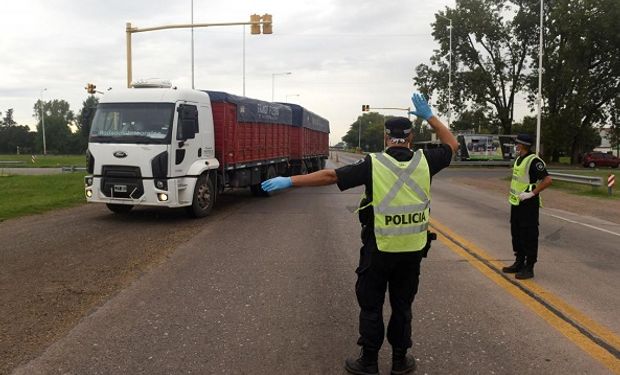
146 148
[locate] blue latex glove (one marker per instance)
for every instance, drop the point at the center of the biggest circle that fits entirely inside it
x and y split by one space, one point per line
277 183
422 109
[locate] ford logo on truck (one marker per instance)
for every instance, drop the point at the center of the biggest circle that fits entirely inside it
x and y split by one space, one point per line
120 154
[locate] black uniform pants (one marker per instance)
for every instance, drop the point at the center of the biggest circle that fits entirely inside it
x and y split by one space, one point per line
380 271
524 231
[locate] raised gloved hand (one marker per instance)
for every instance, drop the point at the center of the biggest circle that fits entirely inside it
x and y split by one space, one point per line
276 183
422 109
524 196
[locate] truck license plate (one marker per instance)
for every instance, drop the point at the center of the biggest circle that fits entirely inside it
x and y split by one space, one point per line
120 188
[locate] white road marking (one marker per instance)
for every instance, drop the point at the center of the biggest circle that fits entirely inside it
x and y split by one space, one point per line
584 224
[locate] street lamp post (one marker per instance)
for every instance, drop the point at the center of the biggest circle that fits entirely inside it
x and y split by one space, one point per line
359 134
273 80
42 111
540 73
449 71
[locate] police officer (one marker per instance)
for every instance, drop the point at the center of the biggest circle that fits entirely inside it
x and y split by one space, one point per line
394 215
529 178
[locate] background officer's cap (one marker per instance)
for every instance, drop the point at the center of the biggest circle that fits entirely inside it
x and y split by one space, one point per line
398 127
524 139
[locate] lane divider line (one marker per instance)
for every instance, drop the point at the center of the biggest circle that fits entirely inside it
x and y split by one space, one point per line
596 340
584 224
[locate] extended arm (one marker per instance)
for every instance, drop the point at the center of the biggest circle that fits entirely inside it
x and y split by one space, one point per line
320 178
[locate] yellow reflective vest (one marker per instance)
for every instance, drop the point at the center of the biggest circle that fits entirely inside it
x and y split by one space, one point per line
521 179
401 200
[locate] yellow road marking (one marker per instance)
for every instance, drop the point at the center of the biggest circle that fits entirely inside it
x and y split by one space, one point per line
568 330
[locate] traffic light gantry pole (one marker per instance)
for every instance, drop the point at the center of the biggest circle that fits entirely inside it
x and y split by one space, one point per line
366 108
256 21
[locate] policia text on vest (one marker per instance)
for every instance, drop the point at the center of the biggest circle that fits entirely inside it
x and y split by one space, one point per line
405 219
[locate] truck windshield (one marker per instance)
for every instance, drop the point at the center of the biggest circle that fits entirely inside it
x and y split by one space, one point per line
132 123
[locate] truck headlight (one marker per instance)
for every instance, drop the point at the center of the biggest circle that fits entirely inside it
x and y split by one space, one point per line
88 181
162 197
89 193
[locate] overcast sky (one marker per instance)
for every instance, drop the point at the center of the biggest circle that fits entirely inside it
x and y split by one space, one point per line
341 54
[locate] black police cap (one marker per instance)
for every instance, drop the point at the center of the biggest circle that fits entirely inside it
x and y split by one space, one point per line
525 139
398 127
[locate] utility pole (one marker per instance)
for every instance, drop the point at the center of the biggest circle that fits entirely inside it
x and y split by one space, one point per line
540 73
449 71
42 110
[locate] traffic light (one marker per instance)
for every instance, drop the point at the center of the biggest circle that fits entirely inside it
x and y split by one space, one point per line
90 88
255 20
267 23
365 107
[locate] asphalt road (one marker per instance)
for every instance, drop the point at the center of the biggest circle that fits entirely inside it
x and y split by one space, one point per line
266 286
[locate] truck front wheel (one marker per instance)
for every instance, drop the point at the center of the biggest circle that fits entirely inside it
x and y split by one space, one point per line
204 198
119 208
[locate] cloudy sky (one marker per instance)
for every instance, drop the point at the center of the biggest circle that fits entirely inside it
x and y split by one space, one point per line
341 54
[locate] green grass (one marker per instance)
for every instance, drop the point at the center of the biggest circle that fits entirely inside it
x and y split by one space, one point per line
43 161
25 195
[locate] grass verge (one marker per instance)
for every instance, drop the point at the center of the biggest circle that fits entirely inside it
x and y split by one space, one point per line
42 161
25 195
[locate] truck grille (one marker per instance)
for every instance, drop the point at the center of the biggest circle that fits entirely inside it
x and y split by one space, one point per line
121 182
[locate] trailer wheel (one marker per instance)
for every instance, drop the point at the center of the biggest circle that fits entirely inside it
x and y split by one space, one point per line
303 169
119 208
204 198
322 164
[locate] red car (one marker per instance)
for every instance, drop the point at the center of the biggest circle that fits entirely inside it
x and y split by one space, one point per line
600 159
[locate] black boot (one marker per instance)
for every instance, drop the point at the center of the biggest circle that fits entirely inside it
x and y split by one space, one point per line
526 273
517 266
402 363
366 364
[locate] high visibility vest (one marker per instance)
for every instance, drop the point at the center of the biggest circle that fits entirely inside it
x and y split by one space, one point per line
521 179
401 196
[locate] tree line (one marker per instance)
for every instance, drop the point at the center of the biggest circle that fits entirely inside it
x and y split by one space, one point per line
59 120
495 51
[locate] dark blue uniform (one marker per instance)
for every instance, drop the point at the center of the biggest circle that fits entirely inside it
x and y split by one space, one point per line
524 217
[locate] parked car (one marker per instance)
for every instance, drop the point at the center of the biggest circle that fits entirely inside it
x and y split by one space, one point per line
600 159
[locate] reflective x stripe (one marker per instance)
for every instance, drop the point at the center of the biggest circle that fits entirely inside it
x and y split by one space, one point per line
401 230
403 178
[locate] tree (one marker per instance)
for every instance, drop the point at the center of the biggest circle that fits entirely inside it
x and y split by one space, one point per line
85 117
492 40
58 117
8 120
371 137
581 74
477 120
13 136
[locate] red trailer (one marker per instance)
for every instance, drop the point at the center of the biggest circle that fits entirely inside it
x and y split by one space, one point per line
252 139
309 141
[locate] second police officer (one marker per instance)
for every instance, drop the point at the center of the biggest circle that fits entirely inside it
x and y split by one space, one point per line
394 215
529 178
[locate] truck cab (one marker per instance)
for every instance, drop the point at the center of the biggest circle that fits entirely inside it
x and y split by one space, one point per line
153 146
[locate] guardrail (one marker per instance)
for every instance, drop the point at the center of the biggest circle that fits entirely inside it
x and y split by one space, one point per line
73 168
578 179
12 162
